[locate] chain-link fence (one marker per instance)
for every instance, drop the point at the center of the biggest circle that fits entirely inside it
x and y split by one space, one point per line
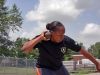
17 66
22 66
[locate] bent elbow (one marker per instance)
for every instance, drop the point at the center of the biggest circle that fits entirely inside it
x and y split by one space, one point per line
23 49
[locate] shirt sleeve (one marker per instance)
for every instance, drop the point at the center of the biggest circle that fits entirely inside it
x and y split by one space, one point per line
37 45
72 44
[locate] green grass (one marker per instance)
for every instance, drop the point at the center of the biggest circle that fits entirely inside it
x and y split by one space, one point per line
31 71
17 71
82 72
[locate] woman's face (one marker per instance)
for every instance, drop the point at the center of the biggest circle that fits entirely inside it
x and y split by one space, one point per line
58 35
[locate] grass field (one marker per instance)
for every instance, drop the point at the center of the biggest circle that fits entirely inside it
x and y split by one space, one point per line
16 71
83 72
31 71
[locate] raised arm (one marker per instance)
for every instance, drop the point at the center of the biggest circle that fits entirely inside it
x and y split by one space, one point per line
28 46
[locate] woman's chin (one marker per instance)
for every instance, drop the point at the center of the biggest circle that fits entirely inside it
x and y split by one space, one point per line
58 41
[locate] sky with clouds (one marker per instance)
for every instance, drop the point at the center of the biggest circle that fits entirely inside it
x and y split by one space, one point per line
81 18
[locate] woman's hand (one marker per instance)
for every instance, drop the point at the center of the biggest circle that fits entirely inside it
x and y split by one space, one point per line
98 66
90 57
42 36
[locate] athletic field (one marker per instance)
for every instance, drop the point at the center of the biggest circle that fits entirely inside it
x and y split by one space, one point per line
94 74
17 71
26 71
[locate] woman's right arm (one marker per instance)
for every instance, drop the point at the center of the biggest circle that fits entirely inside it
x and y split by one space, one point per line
28 46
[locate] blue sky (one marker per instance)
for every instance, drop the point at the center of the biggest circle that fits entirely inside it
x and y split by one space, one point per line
81 18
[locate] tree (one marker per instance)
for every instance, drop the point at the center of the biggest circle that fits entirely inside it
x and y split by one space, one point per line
99 53
95 50
5 49
91 50
10 20
34 54
17 48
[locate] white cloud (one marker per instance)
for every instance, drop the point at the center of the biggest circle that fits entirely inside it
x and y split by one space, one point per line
31 33
34 31
50 10
13 36
90 30
61 10
28 33
90 35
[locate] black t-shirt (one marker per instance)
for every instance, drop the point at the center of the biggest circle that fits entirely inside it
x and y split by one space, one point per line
51 53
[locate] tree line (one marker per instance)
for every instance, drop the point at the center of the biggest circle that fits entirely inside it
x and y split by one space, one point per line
11 20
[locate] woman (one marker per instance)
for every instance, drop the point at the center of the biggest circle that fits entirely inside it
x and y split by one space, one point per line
52 50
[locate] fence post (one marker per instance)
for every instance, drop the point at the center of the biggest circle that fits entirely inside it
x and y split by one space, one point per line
16 65
34 65
26 67
4 64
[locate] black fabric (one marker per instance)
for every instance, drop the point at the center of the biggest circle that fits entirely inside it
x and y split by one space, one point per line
61 71
51 53
71 44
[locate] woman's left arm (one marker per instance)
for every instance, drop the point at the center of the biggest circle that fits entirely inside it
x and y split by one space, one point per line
90 57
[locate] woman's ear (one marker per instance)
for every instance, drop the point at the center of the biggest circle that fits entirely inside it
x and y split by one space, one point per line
51 32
